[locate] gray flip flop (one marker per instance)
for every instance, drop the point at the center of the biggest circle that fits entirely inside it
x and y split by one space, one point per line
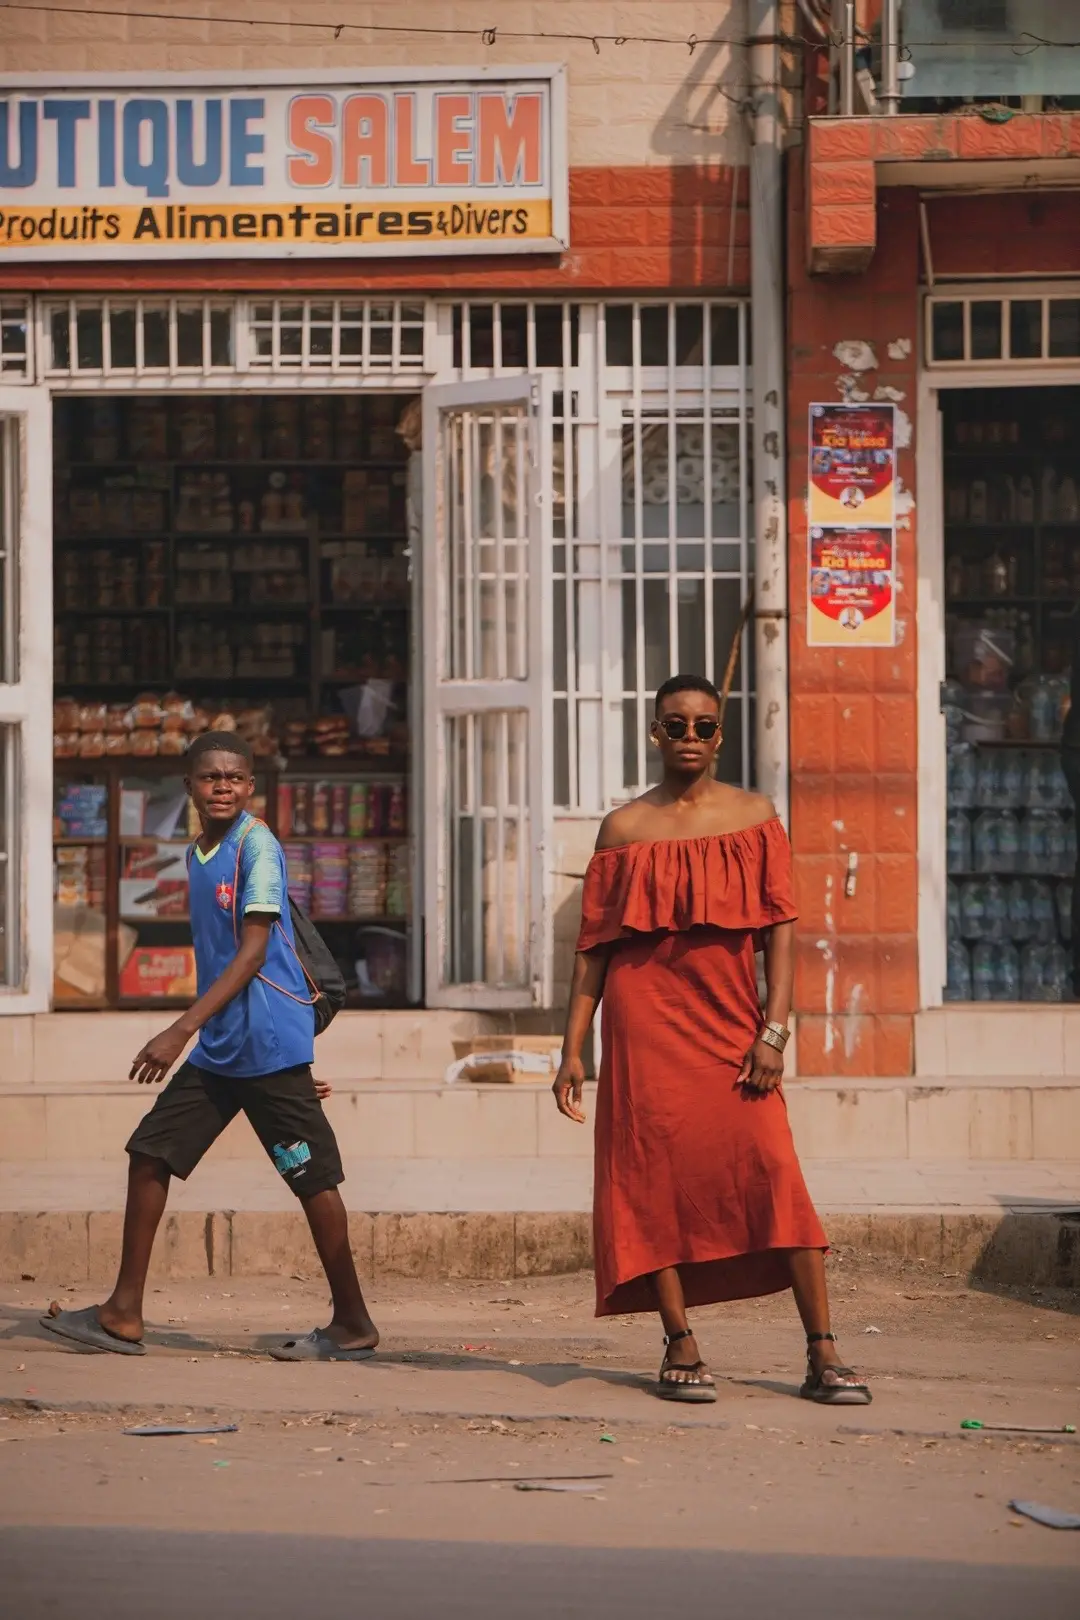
316 1346
84 1327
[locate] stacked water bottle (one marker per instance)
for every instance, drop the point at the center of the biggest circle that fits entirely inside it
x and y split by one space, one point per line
1011 854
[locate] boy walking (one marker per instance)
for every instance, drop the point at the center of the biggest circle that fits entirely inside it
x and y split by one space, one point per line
256 1032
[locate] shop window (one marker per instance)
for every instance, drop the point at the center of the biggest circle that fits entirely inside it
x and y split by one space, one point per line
974 330
1025 328
1064 328
235 559
338 335
119 338
1012 582
14 339
948 331
514 337
986 329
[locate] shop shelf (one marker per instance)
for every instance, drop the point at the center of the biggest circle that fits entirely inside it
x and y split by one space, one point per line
93 612
335 838
137 920
238 463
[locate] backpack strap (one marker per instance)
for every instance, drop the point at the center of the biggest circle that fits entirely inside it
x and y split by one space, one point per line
316 993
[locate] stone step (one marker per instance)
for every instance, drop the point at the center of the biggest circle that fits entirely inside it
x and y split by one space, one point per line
1002 1119
1004 1223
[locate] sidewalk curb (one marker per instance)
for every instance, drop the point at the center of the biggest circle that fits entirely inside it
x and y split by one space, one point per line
1010 1246
669 1420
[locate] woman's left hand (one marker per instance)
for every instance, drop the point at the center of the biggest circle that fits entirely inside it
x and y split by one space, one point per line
763 1068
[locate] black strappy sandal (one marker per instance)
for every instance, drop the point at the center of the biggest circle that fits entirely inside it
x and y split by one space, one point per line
690 1386
833 1386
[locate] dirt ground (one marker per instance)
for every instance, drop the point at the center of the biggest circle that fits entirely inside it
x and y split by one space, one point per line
480 1388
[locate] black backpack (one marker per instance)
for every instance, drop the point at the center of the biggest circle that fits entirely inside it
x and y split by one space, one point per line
320 968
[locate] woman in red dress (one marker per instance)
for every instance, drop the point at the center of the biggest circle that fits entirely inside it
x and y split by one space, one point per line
698 1192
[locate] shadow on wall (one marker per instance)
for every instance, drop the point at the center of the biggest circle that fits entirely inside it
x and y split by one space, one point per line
703 135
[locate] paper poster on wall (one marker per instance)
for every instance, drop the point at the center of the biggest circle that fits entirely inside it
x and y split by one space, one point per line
852 464
852 587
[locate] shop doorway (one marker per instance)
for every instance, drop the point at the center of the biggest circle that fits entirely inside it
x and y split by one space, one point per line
1011 526
239 562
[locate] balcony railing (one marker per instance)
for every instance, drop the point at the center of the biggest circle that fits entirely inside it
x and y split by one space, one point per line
892 56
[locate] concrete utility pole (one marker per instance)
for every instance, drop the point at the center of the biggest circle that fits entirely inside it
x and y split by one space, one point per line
768 435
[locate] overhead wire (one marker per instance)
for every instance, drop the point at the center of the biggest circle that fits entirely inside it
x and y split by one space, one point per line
1023 44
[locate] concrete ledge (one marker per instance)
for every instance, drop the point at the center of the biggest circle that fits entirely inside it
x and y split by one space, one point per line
1013 1247
998 1119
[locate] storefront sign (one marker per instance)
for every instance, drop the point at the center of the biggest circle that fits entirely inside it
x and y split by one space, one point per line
852 587
852 464
443 161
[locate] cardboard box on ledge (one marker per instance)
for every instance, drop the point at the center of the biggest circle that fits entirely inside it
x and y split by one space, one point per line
492 1059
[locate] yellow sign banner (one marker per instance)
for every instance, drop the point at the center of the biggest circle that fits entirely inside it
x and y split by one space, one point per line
337 224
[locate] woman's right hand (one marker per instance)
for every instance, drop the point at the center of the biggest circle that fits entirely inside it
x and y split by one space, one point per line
568 1086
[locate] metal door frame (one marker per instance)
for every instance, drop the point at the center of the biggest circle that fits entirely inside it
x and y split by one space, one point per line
26 702
443 698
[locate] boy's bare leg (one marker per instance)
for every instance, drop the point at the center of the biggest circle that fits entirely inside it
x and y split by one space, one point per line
148 1191
351 1327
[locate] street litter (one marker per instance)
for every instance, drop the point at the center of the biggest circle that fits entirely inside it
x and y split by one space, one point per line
531 1482
871 1330
1053 1518
607 1439
1018 1428
551 1485
148 1431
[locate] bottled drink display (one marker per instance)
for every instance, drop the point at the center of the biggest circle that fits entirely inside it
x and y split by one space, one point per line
1011 582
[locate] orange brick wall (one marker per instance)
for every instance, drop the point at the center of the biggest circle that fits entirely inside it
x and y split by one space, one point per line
638 229
853 713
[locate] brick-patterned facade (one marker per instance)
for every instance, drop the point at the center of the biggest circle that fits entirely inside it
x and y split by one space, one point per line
853 713
638 229
856 269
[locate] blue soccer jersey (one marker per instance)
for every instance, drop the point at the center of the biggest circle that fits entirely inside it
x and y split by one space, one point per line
264 1028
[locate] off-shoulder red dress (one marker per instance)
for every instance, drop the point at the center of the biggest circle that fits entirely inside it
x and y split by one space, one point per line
692 1170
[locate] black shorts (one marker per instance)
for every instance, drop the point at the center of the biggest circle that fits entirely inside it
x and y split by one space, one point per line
283 1109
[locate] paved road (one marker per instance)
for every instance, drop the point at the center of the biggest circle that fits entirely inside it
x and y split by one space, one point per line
106 1574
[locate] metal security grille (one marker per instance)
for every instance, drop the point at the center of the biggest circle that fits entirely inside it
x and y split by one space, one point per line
137 338
1024 327
653 552
143 342
489 918
15 357
336 336
9 844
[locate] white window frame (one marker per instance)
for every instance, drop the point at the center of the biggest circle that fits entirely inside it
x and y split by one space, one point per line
26 702
445 698
995 292
930 610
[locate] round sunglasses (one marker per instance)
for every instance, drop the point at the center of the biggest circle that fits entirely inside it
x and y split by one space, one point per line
677 728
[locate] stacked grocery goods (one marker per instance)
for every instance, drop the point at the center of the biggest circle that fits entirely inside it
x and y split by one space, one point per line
341 809
82 811
79 875
367 880
152 727
298 869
